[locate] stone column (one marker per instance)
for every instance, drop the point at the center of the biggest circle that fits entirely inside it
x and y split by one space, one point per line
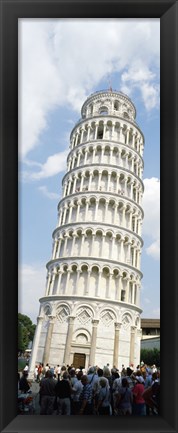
116 343
78 210
121 249
48 283
93 157
67 281
70 212
82 180
48 340
108 290
96 130
127 137
86 208
92 243
82 243
69 186
74 184
99 180
52 282
73 160
106 210
60 217
132 344
133 141
59 282
36 340
113 130
102 245
65 189
117 183
109 179
77 283
93 342
90 180
98 285
96 209
64 215
102 154
81 140
85 158
104 130
69 340
115 213
123 215
111 155
119 288
76 138
88 134
88 283
133 256
59 247
127 289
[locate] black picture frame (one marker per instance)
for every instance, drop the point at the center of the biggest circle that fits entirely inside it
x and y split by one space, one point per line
11 10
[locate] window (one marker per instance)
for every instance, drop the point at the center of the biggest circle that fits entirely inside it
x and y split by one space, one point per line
103 111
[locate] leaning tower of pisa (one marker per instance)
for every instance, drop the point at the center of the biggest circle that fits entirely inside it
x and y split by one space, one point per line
90 312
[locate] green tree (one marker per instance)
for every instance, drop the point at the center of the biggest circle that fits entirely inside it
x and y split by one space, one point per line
150 356
26 330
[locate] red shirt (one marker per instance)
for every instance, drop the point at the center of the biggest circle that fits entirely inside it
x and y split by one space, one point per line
137 392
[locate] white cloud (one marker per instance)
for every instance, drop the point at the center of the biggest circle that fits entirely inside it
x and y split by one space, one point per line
60 61
46 193
139 76
32 279
54 164
154 249
151 222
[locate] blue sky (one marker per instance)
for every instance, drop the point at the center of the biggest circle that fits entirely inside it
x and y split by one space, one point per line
61 62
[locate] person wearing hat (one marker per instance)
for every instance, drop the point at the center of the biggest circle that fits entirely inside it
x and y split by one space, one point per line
138 401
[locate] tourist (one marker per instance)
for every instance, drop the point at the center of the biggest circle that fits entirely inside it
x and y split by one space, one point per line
36 373
103 404
46 367
63 392
24 384
148 383
92 376
58 371
154 369
115 390
86 403
138 400
47 394
97 386
26 368
76 391
40 369
130 377
124 400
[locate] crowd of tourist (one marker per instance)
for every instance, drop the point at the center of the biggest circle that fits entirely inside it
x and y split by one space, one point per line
65 390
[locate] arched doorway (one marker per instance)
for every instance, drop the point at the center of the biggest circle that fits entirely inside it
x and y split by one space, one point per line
79 360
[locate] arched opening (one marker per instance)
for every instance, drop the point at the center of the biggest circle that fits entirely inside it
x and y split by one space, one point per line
103 110
116 105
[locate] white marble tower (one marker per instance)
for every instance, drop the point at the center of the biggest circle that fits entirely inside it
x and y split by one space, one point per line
90 312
